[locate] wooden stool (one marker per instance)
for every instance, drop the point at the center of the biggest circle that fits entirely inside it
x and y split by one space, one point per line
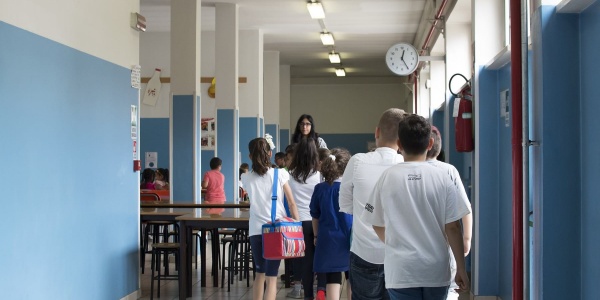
157 250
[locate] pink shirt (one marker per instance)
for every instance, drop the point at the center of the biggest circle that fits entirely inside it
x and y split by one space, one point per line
215 190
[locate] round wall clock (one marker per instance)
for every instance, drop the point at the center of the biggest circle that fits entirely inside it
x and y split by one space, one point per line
402 58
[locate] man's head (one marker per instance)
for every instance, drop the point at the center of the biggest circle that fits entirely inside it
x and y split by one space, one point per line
387 129
437 143
414 133
280 159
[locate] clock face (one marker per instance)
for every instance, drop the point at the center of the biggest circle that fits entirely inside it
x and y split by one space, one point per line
402 58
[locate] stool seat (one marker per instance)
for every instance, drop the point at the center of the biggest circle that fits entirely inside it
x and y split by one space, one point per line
166 246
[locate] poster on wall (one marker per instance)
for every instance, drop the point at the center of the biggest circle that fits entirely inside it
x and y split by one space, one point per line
151 160
134 114
208 136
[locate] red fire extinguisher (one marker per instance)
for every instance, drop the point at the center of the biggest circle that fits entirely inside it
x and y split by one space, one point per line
464 125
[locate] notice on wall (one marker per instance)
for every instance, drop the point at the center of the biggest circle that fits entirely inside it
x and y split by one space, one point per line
136 76
151 160
134 115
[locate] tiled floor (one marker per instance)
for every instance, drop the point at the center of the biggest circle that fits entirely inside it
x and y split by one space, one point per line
239 290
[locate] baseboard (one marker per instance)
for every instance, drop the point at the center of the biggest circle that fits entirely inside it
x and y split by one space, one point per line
132 296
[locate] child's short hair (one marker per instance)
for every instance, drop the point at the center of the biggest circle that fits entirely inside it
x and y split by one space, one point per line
334 164
437 143
414 133
215 162
279 155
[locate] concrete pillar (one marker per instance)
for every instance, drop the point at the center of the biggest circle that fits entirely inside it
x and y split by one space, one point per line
185 101
271 92
284 107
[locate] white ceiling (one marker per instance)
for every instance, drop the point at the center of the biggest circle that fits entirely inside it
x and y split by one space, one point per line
363 30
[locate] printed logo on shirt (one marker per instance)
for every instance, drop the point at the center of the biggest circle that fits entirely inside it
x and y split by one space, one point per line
414 177
369 208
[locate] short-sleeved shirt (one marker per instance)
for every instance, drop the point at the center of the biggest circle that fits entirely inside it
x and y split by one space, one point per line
215 190
259 190
332 252
414 201
303 192
361 174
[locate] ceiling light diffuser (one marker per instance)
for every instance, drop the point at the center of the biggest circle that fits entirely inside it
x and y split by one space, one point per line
334 58
327 38
315 9
340 72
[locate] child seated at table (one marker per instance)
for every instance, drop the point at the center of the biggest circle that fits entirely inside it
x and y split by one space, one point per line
147 180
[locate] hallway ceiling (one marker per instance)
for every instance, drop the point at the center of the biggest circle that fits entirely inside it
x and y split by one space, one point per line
363 31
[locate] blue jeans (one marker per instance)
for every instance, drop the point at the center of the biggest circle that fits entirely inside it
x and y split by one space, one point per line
366 279
422 293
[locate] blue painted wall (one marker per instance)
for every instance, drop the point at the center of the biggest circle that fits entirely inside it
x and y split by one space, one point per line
284 135
226 150
154 137
183 149
590 142
557 206
353 142
248 131
70 193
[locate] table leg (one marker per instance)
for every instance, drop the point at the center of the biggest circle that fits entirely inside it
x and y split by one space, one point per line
215 258
185 271
202 257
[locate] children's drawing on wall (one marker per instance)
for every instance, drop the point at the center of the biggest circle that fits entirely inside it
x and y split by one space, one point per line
208 137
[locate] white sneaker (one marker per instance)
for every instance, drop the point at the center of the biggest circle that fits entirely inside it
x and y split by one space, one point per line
296 292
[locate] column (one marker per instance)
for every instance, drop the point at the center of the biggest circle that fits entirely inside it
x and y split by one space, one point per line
272 96
226 62
284 107
185 101
251 92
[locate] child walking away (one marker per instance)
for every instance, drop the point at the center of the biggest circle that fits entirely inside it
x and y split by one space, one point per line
331 227
259 185
414 209
214 182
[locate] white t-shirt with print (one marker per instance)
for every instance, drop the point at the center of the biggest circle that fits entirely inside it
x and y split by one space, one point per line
259 189
303 192
414 201
362 172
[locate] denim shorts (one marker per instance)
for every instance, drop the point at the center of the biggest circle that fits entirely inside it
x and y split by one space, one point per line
366 279
425 293
267 266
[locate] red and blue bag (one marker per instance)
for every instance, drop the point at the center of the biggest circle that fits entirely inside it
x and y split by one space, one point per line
282 238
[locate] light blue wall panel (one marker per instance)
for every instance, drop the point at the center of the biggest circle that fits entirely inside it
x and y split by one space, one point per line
284 135
248 131
227 119
154 137
183 149
558 82
354 142
590 142
486 232
70 195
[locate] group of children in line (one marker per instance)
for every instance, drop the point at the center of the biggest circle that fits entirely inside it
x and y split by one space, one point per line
155 179
388 219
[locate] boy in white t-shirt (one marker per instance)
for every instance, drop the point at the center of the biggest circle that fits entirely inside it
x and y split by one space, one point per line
415 211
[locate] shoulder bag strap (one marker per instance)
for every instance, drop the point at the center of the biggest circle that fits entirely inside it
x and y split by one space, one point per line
274 197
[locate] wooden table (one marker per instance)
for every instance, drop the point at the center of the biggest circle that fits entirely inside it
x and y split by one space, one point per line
201 219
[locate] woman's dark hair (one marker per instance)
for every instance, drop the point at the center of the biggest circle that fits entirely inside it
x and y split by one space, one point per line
147 177
260 153
305 160
215 162
334 169
297 136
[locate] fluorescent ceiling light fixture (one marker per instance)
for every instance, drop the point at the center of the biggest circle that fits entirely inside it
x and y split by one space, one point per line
327 38
315 9
334 57
340 72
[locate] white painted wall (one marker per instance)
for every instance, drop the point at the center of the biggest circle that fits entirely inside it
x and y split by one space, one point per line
346 105
271 96
251 67
284 96
103 31
155 52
